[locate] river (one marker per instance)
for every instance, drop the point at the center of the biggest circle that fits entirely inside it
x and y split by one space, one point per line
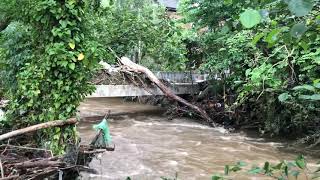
149 146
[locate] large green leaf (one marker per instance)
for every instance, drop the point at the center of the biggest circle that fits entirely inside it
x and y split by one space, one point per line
283 97
249 18
300 7
314 97
298 30
304 87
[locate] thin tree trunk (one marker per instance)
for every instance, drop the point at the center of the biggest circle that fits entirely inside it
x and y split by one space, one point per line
37 127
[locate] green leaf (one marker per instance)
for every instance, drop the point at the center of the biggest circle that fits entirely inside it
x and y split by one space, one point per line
300 7
300 161
72 66
278 166
314 97
216 177
273 36
316 85
304 87
283 97
227 2
255 170
257 38
298 30
226 170
266 167
105 3
235 169
249 18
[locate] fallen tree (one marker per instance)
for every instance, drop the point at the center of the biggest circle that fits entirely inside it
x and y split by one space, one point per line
37 127
130 66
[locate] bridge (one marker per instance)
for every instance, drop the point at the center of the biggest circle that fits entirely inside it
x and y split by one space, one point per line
180 83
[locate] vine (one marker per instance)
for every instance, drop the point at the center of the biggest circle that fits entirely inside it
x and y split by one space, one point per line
54 77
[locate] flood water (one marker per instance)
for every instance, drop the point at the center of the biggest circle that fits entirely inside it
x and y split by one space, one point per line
149 146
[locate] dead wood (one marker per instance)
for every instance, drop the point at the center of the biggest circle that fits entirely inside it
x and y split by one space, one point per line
39 164
37 127
133 67
10 177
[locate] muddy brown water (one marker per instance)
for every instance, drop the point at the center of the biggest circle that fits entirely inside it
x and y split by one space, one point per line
149 146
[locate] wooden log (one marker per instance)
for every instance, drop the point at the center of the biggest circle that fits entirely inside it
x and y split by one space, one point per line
131 66
10 177
39 164
37 127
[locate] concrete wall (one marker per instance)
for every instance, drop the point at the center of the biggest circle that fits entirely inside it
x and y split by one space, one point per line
130 90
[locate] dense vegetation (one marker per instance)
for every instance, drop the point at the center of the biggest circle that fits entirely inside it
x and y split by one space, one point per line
49 50
267 52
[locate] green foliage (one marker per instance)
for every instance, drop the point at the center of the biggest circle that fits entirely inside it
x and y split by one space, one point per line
300 7
249 18
281 171
47 77
267 48
140 30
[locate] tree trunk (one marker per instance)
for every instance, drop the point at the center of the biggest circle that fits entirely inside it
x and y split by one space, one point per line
37 127
131 66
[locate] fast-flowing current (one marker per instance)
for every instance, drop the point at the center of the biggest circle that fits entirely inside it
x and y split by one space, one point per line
150 146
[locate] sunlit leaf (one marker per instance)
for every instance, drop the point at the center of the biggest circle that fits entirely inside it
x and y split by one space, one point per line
249 18
105 3
72 45
80 56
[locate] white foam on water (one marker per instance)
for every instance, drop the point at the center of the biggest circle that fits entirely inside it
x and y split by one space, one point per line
1 114
199 143
173 163
183 153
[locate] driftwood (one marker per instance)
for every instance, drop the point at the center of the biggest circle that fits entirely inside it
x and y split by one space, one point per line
40 164
37 127
133 67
